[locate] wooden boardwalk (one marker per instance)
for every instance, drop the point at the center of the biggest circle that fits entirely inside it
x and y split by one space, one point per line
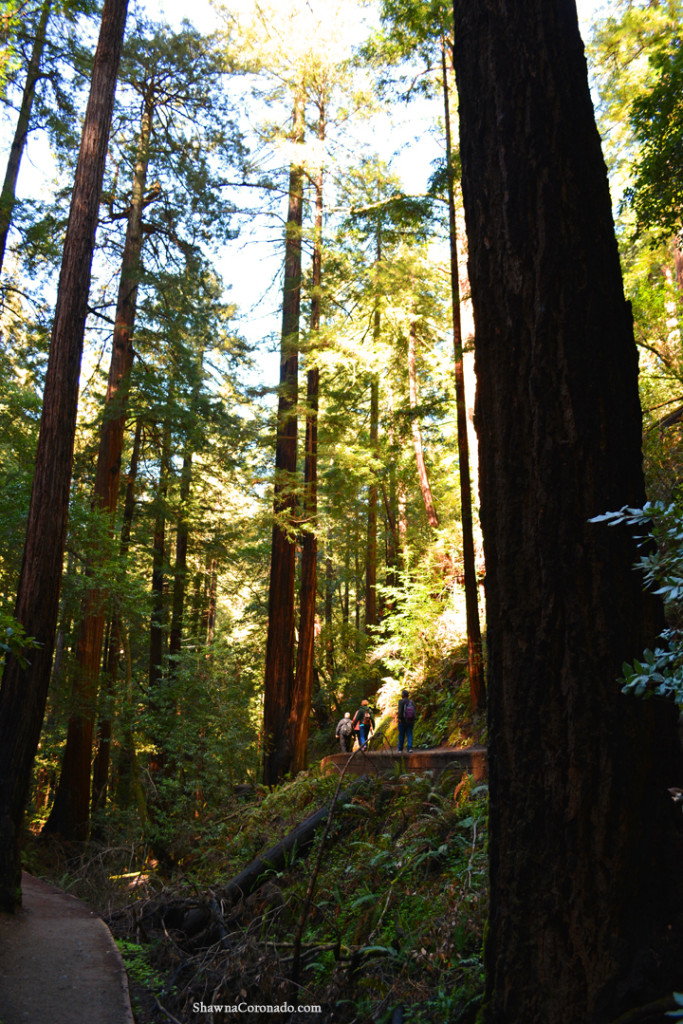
376 762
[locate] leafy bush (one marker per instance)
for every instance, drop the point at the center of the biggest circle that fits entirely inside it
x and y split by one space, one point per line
660 673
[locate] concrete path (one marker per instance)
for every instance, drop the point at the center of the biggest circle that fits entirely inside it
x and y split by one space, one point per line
59 963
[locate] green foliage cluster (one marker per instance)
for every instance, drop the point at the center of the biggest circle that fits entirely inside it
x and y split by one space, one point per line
659 532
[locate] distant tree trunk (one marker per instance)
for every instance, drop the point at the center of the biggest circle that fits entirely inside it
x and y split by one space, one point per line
475 659
156 624
302 691
371 548
357 573
329 594
423 476
183 533
180 567
279 670
24 686
100 768
209 619
103 753
9 188
585 853
70 812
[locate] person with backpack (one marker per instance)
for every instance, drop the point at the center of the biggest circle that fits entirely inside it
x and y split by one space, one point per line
406 721
344 733
364 723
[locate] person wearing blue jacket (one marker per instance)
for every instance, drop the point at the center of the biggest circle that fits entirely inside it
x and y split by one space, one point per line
406 721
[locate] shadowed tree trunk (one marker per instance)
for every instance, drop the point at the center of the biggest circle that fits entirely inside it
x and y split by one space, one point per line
584 862
100 772
9 188
70 812
303 679
475 659
25 683
279 670
156 624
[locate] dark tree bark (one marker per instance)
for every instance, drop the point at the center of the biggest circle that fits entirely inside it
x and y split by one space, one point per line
584 885
100 771
9 187
302 691
157 631
70 812
24 686
418 448
475 658
279 670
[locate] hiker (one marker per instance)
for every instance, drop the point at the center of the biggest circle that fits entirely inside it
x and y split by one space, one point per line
364 724
406 721
344 733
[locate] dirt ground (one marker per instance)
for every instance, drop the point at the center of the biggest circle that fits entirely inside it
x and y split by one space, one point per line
59 963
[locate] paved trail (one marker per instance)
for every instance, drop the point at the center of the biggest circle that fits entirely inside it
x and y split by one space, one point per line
59 963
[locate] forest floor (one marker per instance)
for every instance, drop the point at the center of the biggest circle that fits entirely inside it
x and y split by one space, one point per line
397 918
59 962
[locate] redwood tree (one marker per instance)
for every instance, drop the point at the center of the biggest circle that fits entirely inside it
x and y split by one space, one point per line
279 670
25 681
584 889
70 812
302 690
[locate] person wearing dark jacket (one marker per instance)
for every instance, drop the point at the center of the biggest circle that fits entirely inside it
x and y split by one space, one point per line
406 721
344 733
364 723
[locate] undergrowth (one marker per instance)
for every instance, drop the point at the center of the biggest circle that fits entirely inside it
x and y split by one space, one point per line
396 919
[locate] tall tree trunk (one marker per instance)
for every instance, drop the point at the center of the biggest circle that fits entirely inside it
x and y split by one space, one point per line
103 753
9 187
25 683
371 547
211 585
584 860
183 531
180 567
423 476
302 692
475 659
70 812
279 670
156 622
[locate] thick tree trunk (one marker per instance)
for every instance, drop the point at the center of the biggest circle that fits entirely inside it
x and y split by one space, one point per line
584 880
70 812
24 685
279 670
9 188
302 692
475 659
423 476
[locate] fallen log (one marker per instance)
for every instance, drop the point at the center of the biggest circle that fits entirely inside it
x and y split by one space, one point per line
273 859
